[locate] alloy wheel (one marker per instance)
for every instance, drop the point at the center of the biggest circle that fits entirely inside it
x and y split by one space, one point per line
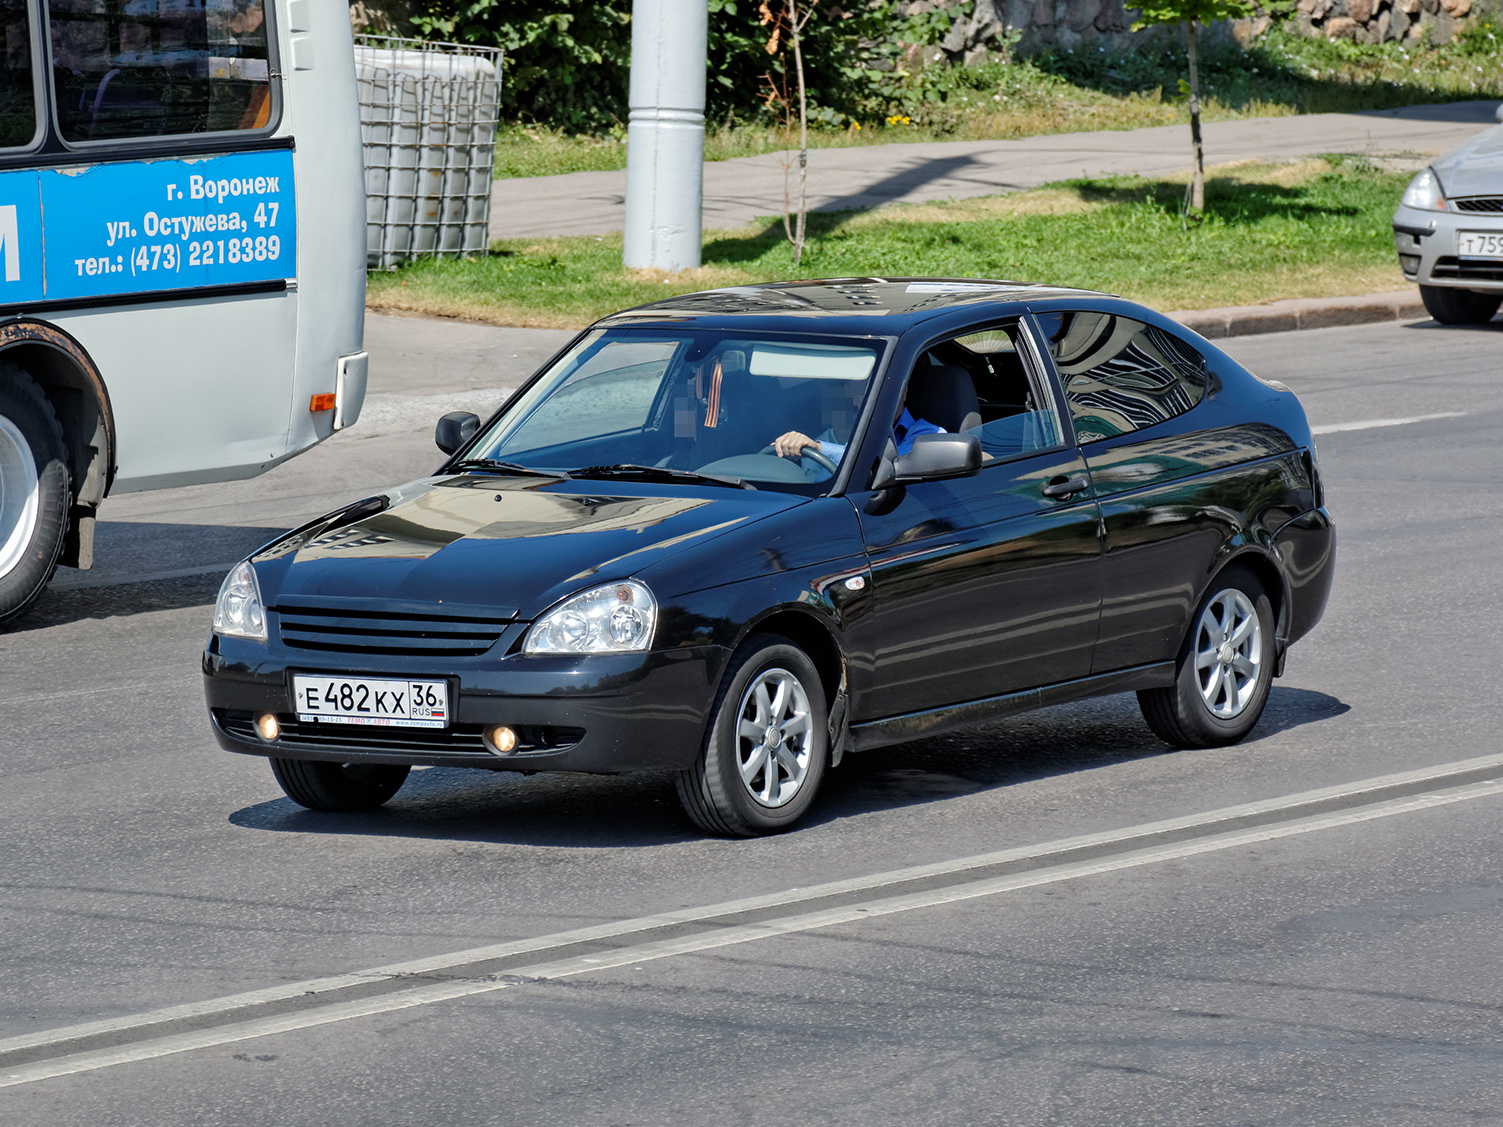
772 737
1228 653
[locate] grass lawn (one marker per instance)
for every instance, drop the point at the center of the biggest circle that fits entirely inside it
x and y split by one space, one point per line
1064 91
1310 229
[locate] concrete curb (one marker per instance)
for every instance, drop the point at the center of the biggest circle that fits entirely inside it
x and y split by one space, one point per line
1303 313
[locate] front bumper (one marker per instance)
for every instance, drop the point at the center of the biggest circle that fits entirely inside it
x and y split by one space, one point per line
603 713
1426 245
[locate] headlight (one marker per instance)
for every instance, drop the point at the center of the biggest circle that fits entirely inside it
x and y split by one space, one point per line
238 612
616 618
1424 193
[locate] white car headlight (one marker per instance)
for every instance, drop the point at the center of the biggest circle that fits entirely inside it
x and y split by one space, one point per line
238 612
1424 193
615 618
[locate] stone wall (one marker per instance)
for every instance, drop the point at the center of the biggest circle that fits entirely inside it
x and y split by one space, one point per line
1376 21
1031 25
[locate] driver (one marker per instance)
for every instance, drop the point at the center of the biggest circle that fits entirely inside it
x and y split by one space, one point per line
837 435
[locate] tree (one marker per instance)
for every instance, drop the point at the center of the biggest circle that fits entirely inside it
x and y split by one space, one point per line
1193 13
786 22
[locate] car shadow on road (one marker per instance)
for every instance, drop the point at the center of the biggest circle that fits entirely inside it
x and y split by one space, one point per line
641 810
1493 326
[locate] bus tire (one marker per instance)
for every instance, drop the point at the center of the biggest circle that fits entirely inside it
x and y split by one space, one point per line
34 491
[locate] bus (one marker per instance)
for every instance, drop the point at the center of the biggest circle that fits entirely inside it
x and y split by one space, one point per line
182 255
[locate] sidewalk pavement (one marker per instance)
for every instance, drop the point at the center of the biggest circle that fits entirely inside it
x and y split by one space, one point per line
737 192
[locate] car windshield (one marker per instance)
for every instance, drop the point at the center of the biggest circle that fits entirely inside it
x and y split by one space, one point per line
700 405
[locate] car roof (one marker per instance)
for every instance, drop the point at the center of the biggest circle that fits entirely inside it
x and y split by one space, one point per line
886 306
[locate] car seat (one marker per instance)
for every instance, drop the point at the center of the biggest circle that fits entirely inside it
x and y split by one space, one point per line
946 396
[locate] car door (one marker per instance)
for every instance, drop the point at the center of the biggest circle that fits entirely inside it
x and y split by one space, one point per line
1167 488
989 584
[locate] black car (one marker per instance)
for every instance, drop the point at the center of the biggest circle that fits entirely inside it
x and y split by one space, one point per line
742 533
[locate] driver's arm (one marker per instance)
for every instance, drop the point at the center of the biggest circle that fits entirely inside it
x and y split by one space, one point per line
789 445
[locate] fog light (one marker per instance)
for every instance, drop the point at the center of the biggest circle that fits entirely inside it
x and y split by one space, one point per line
1409 263
501 739
267 727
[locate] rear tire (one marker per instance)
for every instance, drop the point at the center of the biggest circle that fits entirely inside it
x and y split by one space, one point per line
338 787
1224 671
35 492
766 746
1451 306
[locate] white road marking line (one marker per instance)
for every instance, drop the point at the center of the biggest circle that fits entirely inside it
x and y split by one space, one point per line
655 949
1369 424
84 580
726 937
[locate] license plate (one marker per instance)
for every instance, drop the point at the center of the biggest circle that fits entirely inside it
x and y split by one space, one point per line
381 701
1479 244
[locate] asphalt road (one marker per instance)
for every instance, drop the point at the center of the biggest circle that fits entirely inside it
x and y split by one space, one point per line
1332 960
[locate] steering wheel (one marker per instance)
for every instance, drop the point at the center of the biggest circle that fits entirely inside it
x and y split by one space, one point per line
812 452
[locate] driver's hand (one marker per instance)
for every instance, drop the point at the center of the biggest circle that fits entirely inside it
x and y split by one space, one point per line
789 445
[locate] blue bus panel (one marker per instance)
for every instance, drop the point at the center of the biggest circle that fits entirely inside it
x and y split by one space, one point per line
142 226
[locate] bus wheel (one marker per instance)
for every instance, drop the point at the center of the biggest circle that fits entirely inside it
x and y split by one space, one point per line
34 491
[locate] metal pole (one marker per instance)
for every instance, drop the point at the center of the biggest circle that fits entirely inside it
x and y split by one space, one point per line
665 134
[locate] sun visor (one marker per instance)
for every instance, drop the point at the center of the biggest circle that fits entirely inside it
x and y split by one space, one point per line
812 361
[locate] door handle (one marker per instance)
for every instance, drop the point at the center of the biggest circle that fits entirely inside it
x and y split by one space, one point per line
1063 486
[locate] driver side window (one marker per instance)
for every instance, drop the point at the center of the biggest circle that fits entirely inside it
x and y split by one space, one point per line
984 383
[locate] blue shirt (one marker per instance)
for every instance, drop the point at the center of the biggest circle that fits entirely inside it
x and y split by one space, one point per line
904 431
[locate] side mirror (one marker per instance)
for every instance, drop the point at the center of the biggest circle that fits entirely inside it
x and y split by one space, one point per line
454 430
933 457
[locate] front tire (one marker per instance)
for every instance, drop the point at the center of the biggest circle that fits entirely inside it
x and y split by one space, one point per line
35 492
1451 306
766 746
338 787
1225 668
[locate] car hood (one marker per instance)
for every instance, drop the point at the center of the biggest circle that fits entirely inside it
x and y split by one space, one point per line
512 546
1473 168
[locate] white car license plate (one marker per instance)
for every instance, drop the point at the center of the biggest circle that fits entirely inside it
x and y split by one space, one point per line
381 701
1479 244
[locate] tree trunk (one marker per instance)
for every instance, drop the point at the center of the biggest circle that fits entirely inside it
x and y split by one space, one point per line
803 140
1198 176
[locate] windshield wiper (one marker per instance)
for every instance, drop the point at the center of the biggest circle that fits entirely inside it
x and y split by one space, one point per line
661 473
505 467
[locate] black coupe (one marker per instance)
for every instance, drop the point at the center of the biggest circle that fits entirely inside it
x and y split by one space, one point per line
740 534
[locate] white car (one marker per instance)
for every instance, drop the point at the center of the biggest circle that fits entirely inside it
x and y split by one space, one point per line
1448 231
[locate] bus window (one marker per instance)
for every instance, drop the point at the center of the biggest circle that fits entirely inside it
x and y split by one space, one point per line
158 68
18 111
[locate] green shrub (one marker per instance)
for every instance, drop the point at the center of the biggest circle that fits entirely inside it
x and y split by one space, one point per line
568 63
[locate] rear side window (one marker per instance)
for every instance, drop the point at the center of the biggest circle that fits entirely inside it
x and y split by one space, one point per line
159 68
1121 375
18 107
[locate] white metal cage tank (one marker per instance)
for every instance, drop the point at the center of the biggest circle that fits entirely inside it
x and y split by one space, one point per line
428 117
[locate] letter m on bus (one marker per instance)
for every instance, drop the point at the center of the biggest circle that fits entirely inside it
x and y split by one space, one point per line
9 237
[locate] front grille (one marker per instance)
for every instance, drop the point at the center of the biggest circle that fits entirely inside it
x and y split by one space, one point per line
457 740
368 629
1449 266
1480 203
